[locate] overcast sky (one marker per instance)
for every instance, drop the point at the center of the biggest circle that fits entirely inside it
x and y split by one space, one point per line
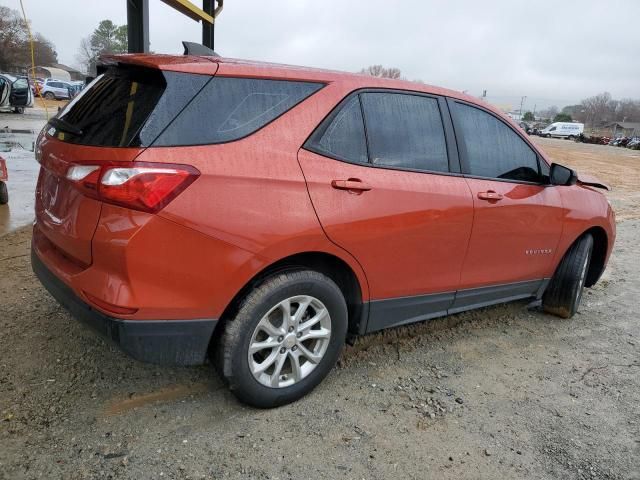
552 51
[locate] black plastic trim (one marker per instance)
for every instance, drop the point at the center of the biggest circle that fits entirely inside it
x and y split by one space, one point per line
394 312
484 296
165 342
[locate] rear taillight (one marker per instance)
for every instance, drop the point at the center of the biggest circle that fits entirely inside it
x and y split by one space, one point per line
148 187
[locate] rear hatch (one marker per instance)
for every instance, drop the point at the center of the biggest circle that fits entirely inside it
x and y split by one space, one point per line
112 121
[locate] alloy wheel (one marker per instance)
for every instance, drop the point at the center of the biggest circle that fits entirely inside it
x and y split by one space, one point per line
289 341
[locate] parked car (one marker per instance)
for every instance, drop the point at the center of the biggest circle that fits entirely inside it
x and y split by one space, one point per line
526 127
619 141
262 214
4 177
75 88
563 130
15 94
55 89
634 143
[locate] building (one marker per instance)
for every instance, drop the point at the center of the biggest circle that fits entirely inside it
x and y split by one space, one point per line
624 129
59 71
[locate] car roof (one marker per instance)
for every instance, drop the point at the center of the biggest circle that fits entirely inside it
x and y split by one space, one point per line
224 66
257 69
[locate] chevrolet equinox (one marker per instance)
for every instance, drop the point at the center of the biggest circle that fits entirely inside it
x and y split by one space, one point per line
193 207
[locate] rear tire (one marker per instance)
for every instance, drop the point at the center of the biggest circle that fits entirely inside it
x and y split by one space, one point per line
18 110
299 354
49 96
4 194
562 296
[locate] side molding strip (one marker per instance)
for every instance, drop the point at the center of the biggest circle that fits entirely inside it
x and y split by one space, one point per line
394 312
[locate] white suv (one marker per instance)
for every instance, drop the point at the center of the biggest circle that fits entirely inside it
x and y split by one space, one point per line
54 89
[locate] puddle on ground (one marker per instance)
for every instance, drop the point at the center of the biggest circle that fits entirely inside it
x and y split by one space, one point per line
16 148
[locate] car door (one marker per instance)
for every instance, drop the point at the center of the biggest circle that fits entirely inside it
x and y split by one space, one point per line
55 88
20 93
5 90
388 197
61 90
518 216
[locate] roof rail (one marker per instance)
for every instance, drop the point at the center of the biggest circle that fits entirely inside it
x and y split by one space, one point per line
192 48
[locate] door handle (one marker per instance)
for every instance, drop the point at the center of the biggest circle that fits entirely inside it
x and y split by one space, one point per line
353 184
490 196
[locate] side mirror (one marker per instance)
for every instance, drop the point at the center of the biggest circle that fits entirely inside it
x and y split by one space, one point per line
561 175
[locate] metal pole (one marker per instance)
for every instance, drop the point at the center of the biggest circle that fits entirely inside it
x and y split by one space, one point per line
138 26
208 29
521 102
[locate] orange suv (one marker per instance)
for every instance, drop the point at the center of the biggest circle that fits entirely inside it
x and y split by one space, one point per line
260 214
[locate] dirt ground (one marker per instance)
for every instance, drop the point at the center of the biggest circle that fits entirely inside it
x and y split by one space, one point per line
503 392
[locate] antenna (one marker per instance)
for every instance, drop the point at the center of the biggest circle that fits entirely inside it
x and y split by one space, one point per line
192 48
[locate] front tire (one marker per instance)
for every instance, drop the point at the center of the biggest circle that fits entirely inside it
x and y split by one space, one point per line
562 296
285 338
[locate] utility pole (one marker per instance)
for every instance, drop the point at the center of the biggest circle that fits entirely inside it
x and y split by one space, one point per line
138 26
534 111
208 7
521 103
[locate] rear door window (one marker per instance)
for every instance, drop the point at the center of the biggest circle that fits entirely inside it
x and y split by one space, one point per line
343 138
491 148
405 131
230 108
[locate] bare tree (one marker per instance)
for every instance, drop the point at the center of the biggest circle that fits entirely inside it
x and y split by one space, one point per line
549 113
382 72
599 108
85 56
628 110
15 47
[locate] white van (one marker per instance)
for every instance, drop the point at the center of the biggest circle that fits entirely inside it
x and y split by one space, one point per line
563 129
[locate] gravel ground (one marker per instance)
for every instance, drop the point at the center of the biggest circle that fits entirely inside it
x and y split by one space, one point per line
503 392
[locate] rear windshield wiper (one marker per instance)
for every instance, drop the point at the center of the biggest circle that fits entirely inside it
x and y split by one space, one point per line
65 126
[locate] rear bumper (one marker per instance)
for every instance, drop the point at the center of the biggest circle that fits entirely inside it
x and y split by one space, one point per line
166 342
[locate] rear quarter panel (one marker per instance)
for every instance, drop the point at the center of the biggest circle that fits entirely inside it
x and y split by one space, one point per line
252 193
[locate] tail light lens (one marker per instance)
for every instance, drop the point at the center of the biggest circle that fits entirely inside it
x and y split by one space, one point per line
147 187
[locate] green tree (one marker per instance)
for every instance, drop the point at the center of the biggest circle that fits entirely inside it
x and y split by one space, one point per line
562 117
528 117
108 38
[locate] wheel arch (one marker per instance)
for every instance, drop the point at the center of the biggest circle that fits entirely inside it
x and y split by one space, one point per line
328 264
598 255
